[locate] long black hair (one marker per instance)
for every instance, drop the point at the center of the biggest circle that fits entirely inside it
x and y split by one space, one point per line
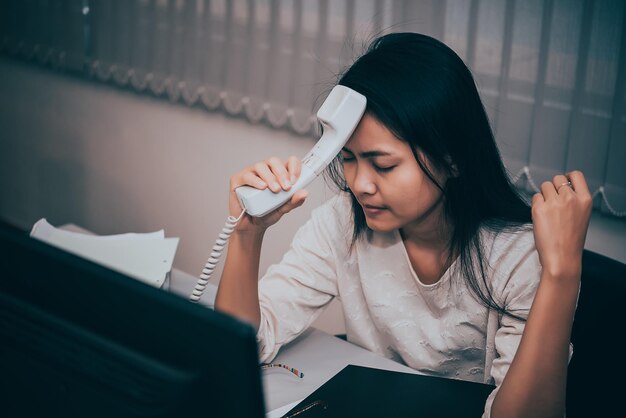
422 91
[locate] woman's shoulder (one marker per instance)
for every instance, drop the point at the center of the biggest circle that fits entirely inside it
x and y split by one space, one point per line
334 217
337 208
512 256
512 242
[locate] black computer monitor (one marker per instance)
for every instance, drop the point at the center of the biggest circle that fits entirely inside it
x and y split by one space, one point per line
80 340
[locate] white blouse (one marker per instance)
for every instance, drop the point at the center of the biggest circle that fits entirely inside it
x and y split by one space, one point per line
439 329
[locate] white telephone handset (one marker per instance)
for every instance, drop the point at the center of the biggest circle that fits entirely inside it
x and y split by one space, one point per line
339 114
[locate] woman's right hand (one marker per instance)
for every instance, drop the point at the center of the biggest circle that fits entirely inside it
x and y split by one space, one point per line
274 174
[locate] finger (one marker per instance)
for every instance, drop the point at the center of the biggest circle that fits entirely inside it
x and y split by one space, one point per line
296 200
548 190
266 174
299 197
280 171
561 184
537 199
579 183
536 204
251 179
293 167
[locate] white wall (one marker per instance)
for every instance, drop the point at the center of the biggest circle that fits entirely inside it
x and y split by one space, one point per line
111 161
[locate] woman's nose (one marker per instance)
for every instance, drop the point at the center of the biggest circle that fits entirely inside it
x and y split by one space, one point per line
363 182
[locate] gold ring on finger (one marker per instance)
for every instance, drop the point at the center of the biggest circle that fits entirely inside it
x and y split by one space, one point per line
567 183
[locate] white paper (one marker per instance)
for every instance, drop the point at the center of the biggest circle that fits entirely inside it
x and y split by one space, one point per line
42 230
146 257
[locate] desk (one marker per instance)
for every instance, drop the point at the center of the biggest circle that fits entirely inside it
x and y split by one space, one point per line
318 355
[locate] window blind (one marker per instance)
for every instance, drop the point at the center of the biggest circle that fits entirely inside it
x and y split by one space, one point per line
552 73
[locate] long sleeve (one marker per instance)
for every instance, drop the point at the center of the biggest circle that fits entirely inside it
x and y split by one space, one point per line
516 291
517 294
293 292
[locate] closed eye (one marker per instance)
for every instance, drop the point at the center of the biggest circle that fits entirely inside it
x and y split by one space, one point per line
349 158
384 169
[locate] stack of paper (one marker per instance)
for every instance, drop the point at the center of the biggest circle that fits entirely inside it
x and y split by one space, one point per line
147 257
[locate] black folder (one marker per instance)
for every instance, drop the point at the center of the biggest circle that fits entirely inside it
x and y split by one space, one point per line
358 391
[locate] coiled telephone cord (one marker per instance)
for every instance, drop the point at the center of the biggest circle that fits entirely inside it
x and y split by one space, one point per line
214 258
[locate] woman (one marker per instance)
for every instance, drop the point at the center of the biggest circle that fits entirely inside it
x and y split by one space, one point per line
429 248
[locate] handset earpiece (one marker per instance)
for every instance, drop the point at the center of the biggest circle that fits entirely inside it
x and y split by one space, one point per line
339 115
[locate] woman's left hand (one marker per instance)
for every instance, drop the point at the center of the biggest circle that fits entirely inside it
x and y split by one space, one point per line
561 213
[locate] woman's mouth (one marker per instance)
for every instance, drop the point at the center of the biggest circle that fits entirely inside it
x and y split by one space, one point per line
371 210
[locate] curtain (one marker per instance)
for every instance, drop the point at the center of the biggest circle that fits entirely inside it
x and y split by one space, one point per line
551 73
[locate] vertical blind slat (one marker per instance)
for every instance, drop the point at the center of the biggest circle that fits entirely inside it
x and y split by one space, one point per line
226 44
614 167
207 42
296 51
322 40
377 18
619 100
581 75
472 32
273 47
503 83
439 19
546 28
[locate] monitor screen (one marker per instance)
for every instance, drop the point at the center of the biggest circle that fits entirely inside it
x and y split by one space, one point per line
80 340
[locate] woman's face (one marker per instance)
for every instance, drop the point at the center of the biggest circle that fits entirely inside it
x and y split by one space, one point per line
384 176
